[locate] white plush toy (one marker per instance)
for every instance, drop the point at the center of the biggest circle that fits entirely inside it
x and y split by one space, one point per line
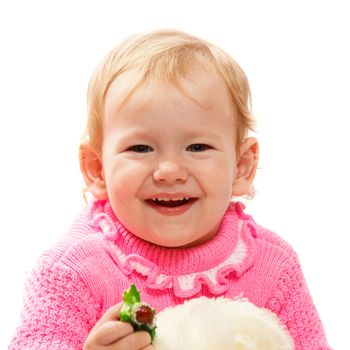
220 324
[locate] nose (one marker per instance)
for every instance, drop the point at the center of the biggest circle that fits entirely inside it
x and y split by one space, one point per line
169 172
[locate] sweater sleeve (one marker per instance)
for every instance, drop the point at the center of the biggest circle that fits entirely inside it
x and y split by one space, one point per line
59 310
293 304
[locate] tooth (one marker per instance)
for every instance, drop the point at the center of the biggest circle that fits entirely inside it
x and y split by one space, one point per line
170 199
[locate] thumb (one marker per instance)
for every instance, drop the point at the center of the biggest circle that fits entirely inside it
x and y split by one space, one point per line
112 314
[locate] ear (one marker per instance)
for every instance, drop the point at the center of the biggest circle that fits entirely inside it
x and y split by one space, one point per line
247 163
91 168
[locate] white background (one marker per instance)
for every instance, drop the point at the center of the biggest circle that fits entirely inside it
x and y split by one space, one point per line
296 56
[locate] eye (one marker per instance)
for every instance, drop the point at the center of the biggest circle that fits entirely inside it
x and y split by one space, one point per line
140 149
198 147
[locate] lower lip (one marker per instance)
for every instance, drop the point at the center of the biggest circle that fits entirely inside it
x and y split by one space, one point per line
172 211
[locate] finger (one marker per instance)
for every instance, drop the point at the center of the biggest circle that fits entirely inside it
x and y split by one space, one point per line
136 340
112 314
148 347
112 331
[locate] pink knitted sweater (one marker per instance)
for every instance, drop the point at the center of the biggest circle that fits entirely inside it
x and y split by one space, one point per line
79 279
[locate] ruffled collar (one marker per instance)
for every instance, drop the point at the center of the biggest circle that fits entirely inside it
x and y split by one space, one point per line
232 250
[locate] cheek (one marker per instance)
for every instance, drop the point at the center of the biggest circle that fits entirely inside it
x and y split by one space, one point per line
221 177
124 178
121 184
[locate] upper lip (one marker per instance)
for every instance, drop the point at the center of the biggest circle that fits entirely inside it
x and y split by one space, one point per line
166 196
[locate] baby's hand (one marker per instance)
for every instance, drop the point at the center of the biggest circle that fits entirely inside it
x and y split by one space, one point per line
112 334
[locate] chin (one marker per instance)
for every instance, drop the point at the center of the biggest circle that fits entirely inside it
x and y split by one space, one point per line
186 244
171 244
176 243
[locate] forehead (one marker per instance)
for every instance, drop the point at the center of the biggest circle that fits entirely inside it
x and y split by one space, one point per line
206 89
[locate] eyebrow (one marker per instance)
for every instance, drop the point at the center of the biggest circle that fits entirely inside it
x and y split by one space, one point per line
203 132
142 133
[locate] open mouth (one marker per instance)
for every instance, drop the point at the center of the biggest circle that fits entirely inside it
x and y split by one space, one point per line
169 203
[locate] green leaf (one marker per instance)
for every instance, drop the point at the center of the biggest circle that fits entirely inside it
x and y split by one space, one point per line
131 296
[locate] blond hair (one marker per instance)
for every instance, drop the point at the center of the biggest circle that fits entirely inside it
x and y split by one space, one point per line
167 56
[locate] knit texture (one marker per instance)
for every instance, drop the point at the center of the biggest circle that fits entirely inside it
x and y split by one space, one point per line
76 281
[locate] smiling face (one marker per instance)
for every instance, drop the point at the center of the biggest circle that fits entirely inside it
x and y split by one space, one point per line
168 159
